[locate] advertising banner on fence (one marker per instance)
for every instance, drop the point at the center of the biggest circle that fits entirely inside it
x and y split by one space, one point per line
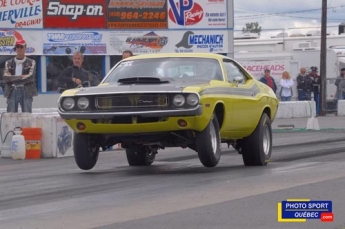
140 42
77 14
257 68
9 37
201 14
21 14
137 14
66 42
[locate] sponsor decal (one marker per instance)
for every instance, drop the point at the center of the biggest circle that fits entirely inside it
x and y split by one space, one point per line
136 14
150 40
8 39
211 42
21 13
185 12
62 43
74 13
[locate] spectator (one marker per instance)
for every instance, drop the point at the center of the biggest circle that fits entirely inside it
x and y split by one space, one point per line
304 85
126 54
340 83
268 80
19 78
316 82
286 84
74 75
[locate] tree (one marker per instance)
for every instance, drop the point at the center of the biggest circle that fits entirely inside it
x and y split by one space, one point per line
252 27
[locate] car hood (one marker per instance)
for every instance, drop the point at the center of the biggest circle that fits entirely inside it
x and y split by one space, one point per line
114 88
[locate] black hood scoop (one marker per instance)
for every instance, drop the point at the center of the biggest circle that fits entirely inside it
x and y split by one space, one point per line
143 80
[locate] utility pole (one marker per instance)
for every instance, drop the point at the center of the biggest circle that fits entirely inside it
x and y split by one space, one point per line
323 60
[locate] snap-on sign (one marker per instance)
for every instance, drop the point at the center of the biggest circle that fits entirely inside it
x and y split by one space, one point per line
74 14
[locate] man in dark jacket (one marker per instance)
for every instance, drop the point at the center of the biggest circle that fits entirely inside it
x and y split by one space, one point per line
268 80
74 75
19 78
316 82
304 85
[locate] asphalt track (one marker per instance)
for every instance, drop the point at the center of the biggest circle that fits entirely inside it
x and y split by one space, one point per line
177 191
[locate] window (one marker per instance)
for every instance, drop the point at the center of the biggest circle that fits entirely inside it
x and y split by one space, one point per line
233 71
55 64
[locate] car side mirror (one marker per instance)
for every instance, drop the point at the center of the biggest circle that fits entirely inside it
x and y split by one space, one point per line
238 79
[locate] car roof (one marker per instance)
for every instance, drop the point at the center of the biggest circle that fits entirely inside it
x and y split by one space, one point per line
162 55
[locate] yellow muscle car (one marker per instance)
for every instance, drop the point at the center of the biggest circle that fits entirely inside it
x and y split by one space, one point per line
194 100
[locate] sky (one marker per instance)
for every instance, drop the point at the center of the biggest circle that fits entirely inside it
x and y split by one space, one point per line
288 14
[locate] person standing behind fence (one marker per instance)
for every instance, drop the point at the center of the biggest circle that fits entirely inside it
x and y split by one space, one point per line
19 78
126 54
340 83
316 88
74 75
304 85
286 84
268 80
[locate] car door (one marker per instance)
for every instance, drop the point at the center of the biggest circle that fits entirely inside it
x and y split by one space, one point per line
245 105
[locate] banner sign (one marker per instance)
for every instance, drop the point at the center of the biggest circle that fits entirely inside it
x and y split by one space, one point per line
257 68
77 14
140 42
67 42
201 14
21 14
299 210
8 39
137 14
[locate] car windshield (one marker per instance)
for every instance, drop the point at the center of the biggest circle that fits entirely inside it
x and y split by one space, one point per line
186 68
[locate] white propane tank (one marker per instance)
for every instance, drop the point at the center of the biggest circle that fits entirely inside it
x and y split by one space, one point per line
18 145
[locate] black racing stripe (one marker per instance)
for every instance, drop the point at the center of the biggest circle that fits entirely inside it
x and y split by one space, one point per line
253 91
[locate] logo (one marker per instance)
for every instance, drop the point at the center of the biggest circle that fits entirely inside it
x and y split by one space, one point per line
73 11
150 40
212 42
59 37
185 12
299 210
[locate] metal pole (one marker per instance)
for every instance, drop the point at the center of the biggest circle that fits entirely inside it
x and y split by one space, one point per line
323 60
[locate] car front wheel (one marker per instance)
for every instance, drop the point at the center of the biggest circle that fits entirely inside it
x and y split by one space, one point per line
208 144
257 148
86 151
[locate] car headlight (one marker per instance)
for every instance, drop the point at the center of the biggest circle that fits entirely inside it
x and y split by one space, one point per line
68 104
83 103
192 99
179 100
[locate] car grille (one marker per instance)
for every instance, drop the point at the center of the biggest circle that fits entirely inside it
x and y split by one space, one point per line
132 101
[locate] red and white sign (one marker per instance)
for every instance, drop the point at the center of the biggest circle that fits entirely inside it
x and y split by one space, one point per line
201 14
21 14
74 14
257 68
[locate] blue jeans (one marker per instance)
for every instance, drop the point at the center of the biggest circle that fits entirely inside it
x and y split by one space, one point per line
304 95
18 96
284 99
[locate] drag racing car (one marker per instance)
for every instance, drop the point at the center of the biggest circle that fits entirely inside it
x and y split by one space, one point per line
190 100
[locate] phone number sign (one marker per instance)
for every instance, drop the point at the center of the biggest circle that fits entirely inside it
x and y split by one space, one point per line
137 14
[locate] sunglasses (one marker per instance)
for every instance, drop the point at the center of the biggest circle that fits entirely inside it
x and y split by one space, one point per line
19 46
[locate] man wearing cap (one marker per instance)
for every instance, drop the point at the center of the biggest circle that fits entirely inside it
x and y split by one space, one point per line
316 82
268 80
340 83
19 76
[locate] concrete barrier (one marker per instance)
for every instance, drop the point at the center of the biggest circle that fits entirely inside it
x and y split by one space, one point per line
296 109
341 107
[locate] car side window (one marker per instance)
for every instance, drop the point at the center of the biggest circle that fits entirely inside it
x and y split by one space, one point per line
232 71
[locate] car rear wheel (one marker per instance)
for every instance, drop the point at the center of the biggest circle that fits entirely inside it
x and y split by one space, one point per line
86 151
257 148
208 144
140 156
